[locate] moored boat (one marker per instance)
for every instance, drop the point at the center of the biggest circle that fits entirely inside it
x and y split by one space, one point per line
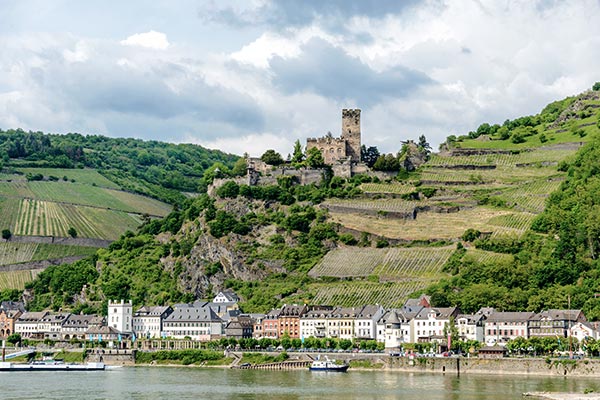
328 365
50 366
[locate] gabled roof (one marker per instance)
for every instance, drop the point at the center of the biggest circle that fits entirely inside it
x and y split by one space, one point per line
471 318
273 314
440 312
13 306
77 320
370 311
422 301
229 295
152 311
316 314
345 312
104 330
192 313
509 316
30 317
293 310
58 318
558 315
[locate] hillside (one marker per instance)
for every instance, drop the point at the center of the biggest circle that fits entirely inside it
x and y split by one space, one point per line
459 228
64 196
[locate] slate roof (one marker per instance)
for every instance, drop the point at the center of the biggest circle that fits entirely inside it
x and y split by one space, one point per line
77 321
558 315
440 312
369 311
12 305
293 310
191 313
509 316
229 295
152 311
59 318
29 317
345 312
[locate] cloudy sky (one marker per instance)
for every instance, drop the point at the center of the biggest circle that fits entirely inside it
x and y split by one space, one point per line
248 75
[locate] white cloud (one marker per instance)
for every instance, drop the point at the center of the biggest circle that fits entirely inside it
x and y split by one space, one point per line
253 144
231 87
151 39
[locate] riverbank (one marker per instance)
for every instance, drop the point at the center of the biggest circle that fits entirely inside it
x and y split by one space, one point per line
563 396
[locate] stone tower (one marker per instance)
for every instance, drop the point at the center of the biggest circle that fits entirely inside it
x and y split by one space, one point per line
120 315
351 132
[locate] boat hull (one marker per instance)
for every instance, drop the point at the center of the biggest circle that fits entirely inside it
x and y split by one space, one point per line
339 368
10 367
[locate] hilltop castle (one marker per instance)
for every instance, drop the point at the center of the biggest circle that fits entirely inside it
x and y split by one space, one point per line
344 148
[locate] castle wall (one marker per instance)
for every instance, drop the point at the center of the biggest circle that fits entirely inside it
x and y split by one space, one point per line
333 149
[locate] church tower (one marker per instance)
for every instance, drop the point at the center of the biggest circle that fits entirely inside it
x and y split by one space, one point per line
351 132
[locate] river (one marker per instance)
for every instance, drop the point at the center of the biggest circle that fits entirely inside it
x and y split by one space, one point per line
196 383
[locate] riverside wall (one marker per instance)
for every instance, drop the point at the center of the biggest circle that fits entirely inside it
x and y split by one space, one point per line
499 366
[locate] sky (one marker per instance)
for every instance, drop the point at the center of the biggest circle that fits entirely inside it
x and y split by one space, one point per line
250 75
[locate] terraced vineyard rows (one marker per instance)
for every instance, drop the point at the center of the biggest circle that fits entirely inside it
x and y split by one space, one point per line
42 218
16 279
517 221
413 262
531 197
9 209
389 205
483 256
526 157
15 253
389 264
504 174
393 188
351 294
349 262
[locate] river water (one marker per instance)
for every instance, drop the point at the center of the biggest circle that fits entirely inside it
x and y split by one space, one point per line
196 383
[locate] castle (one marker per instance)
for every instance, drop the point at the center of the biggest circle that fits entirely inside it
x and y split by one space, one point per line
342 154
344 148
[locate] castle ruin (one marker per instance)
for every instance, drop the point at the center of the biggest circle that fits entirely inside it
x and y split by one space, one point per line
344 148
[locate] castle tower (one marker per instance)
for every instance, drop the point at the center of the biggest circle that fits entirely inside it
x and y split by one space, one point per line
119 315
351 132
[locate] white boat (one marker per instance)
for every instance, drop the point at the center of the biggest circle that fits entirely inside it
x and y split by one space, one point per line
327 365
50 366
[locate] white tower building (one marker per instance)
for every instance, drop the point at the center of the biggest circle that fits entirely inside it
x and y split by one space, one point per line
120 315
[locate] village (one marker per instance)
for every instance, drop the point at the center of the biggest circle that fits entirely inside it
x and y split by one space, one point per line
392 329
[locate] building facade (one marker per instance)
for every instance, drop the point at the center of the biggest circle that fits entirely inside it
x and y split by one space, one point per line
148 321
120 315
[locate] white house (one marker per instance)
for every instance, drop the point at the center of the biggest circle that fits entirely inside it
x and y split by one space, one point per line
365 324
470 326
340 322
148 321
198 322
27 324
50 325
314 322
429 323
583 330
120 315
226 296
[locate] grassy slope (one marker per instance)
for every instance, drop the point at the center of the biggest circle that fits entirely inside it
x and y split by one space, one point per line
507 199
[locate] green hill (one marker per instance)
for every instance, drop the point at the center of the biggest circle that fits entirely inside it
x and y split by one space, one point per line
54 187
470 227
